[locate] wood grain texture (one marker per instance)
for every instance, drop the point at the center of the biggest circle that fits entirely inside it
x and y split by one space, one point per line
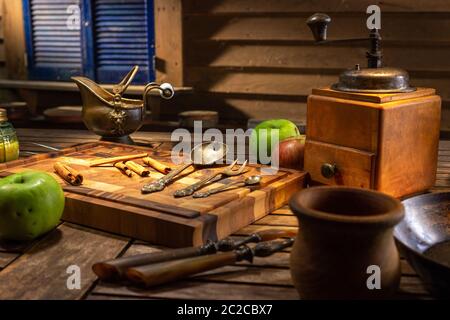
258 49
282 27
14 39
240 54
6 258
352 125
297 54
169 41
375 98
109 201
401 133
273 270
355 168
237 281
40 273
409 138
203 291
298 6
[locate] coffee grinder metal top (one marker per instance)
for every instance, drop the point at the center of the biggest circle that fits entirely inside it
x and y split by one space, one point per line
373 79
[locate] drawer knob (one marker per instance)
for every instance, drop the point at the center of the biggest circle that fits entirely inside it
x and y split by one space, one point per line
328 170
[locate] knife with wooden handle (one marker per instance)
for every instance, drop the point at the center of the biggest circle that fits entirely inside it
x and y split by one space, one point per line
165 272
114 269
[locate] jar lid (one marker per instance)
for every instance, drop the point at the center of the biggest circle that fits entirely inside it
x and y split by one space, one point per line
3 115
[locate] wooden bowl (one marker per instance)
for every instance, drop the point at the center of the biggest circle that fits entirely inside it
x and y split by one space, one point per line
424 239
17 110
209 119
64 114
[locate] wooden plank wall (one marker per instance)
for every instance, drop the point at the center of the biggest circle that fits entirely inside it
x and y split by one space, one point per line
256 58
2 46
14 36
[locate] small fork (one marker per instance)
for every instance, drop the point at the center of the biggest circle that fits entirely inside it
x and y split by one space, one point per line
227 172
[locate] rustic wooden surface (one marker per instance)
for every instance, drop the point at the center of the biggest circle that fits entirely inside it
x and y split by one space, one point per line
38 270
111 201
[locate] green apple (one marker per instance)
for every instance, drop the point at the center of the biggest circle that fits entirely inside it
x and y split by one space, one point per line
286 129
31 204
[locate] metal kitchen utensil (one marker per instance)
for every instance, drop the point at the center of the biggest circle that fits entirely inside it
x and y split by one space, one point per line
43 146
114 269
110 115
424 238
375 78
227 172
252 180
164 272
204 154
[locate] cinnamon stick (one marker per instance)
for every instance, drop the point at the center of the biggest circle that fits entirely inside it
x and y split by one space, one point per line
140 170
99 162
124 168
69 174
155 164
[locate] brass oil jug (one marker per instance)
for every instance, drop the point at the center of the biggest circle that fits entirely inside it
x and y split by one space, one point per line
112 116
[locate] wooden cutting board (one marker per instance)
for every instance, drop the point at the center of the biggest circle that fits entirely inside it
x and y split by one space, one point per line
111 201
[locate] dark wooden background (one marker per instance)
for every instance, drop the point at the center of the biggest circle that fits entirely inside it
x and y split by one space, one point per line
256 58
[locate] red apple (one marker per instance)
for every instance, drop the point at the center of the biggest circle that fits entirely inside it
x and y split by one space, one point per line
290 152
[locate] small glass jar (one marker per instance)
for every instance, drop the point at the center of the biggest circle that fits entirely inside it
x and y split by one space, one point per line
9 144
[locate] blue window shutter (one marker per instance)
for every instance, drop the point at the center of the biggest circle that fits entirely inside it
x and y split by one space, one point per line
123 32
53 39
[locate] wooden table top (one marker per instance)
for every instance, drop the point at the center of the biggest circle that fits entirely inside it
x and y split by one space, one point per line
38 270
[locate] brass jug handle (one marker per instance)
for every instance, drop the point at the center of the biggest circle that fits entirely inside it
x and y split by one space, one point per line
166 90
126 81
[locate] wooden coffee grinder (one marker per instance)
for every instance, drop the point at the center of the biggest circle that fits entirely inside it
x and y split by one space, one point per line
372 129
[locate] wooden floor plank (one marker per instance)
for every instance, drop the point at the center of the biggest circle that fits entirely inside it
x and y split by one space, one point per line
17 247
202 290
248 275
266 278
283 211
6 258
412 285
94 296
40 273
277 221
85 134
256 228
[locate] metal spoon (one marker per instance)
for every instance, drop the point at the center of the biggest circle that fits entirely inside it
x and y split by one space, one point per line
252 180
202 155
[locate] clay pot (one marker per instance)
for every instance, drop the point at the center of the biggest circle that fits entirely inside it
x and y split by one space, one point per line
343 232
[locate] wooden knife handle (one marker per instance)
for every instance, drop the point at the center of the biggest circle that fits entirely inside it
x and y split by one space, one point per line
160 273
114 269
